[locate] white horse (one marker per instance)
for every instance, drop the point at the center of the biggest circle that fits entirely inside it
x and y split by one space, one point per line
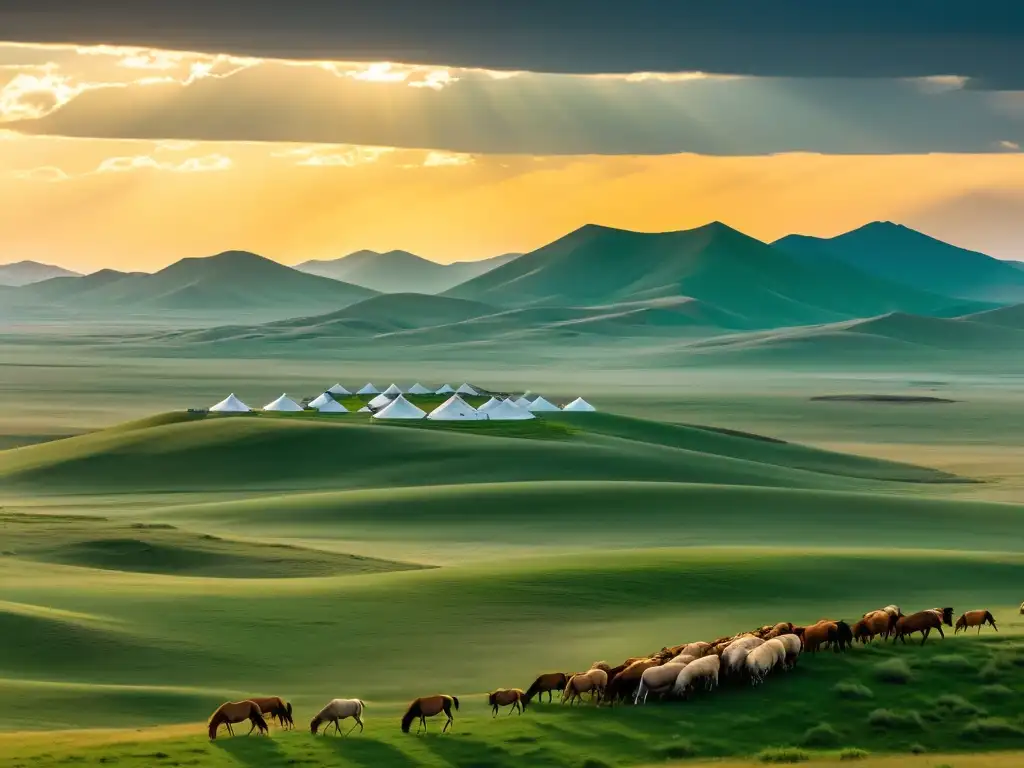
338 709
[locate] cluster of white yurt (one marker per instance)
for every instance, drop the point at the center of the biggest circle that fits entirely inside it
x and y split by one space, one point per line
392 404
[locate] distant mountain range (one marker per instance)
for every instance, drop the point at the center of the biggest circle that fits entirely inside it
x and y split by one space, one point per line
714 264
905 256
401 271
233 281
27 272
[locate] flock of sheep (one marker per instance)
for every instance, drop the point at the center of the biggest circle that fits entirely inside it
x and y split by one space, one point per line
673 672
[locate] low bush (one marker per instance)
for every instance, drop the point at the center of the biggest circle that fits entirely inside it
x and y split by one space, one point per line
990 728
852 753
894 671
677 750
896 720
783 755
821 735
853 690
950 704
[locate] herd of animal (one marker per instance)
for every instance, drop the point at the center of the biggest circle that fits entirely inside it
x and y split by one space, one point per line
673 672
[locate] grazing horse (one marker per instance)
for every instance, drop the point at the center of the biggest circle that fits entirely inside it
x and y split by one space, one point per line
338 709
923 622
275 706
237 712
593 680
503 697
975 619
625 684
552 681
429 706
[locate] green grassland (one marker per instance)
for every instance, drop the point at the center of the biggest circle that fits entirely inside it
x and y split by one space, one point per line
152 566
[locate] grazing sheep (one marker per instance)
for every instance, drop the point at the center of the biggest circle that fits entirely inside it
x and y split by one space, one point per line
793 648
780 650
734 658
697 650
975 619
660 679
761 661
704 669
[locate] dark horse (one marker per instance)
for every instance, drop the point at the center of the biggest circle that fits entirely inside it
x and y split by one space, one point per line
546 683
428 706
923 622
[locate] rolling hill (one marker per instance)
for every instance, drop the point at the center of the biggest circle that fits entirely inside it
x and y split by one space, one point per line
400 271
27 272
714 264
909 257
229 281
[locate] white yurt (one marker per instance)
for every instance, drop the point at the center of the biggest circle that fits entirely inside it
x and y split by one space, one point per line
540 405
368 389
364 409
332 407
380 401
445 389
522 402
579 405
321 400
419 389
465 389
507 410
400 408
488 405
393 390
337 389
283 403
454 409
230 404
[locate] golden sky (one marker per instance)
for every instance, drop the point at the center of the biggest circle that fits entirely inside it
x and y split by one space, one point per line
134 179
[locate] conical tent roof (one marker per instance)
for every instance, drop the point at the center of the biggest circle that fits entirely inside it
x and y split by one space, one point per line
368 389
541 405
332 406
283 403
445 389
321 400
400 408
230 404
506 410
337 389
488 405
392 390
454 409
579 404
380 401
419 389
364 409
522 402
465 389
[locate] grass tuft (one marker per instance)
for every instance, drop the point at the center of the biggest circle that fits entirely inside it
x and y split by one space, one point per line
821 735
853 753
894 672
677 751
853 690
896 720
783 755
991 728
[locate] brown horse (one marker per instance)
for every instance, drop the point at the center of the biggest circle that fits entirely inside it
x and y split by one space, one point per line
503 697
624 684
546 683
237 712
923 622
429 706
593 680
276 707
874 624
975 619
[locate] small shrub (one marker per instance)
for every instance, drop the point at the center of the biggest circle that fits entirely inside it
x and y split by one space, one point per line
917 749
896 720
852 753
990 728
821 735
852 689
783 755
894 671
951 663
950 704
995 691
992 672
593 762
677 750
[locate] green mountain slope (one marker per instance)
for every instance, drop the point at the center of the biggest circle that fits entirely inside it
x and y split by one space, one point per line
400 271
233 280
714 264
912 258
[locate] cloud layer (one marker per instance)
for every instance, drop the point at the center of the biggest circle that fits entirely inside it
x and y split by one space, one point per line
782 38
152 94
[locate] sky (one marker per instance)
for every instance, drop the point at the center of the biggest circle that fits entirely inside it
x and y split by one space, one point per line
460 130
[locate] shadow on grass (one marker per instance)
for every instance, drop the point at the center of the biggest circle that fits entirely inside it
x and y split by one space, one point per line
257 751
369 753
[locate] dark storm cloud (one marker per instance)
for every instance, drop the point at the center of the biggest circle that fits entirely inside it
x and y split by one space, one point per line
980 39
